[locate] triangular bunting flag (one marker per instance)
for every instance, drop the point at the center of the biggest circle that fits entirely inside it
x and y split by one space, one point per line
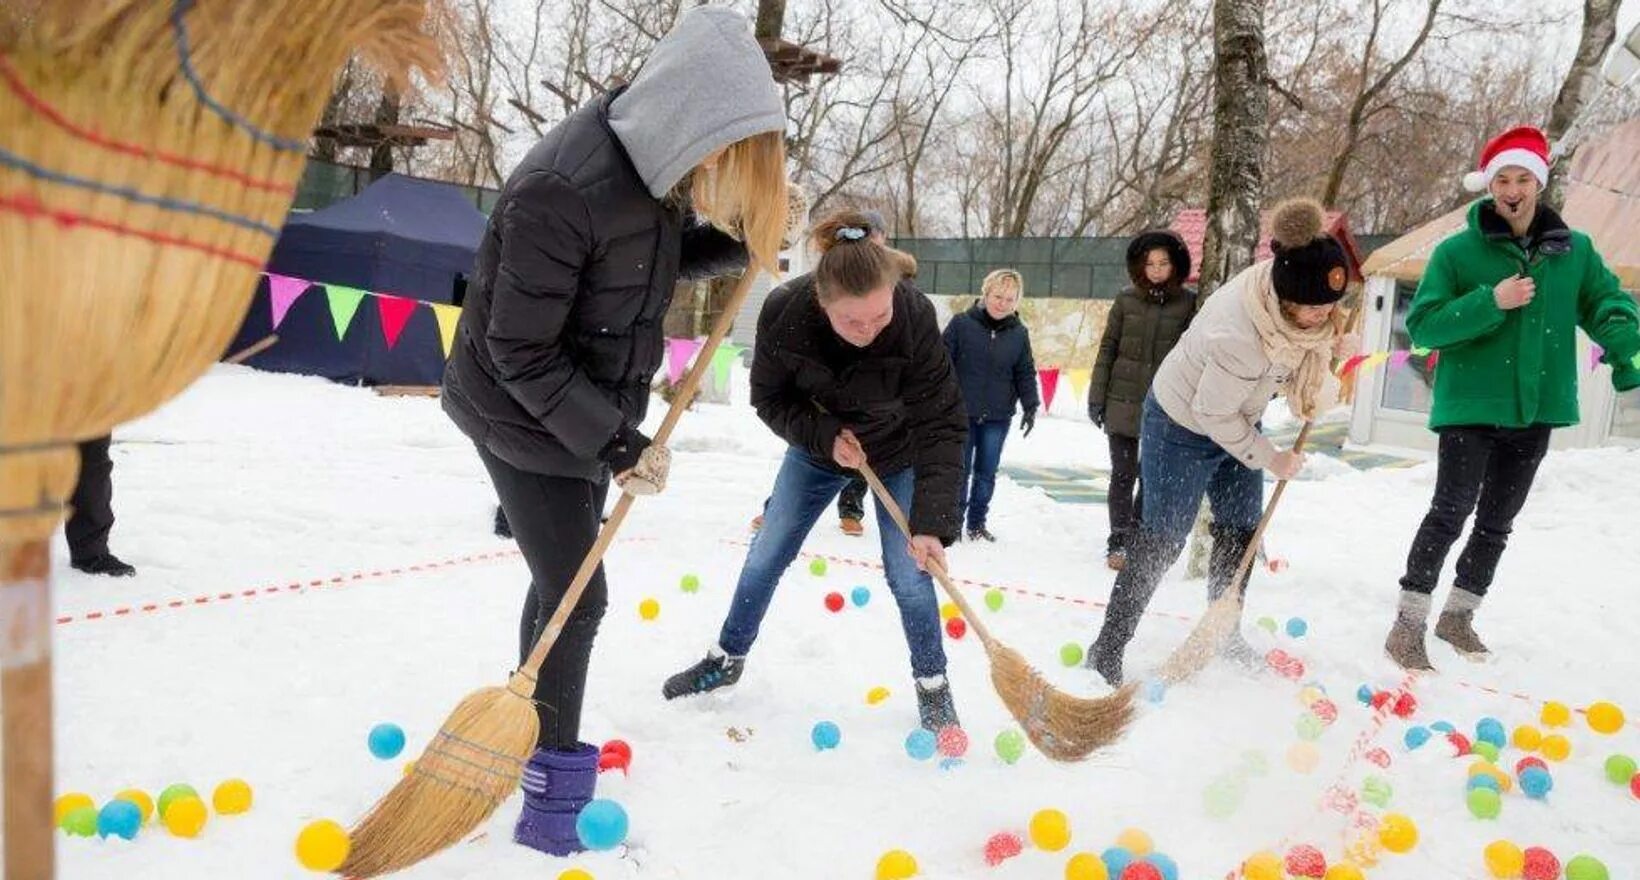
1350 365
1080 379
448 317
344 301
395 312
1049 377
1375 359
722 361
1595 353
283 291
1399 358
678 354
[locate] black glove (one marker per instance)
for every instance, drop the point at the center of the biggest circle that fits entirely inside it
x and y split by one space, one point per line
1096 412
1027 421
622 452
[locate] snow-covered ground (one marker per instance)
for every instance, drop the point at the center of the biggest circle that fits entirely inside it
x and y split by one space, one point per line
254 482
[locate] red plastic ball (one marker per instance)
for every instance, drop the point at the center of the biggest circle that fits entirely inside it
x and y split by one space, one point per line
1405 705
1380 699
1379 757
1634 785
1276 658
1002 846
613 761
1540 864
1529 761
1460 742
1306 861
619 746
1142 871
1325 709
1292 670
956 627
834 602
952 741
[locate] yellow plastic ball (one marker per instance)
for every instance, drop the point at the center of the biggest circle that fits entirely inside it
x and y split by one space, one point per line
1556 747
1397 833
1365 851
1605 718
1086 866
649 609
1050 830
1345 871
1527 738
140 800
896 864
575 874
1303 757
68 803
232 798
1309 695
1482 766
876 695
1556 714
949 610
185 817
1504 859
1263 866
322 846
1135 841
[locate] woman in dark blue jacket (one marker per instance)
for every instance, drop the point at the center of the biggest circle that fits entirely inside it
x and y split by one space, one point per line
991 353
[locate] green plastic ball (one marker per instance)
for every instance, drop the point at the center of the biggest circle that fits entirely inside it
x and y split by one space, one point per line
817 567
1484 803
1377 791
1268 624
81 822
1310 727
1620 769
993 600
174 793
690 583
1070 654
1486 750
1586 868
1010 746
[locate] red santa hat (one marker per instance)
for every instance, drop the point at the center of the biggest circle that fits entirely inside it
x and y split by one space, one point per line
1523 147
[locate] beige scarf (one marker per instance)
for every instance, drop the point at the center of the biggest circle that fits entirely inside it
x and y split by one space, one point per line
1308 353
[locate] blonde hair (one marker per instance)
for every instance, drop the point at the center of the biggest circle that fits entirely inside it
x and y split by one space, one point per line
745 195
851 262
998 276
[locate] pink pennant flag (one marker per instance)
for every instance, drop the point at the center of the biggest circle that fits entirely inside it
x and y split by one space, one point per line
1049 377
1595 354
283 291
395 312
1399 358
678 354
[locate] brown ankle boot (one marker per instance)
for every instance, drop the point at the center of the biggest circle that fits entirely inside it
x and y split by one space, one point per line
852 526
1457 629
1405 645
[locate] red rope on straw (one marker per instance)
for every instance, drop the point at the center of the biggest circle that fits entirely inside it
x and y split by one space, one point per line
32 209
39 105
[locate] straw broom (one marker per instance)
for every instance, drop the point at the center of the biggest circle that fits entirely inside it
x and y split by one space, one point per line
1063 727
148 153
475 761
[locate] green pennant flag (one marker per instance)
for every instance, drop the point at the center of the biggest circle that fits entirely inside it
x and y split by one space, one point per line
721 362
344 303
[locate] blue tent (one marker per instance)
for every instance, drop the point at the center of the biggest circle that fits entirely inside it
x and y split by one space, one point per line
403 236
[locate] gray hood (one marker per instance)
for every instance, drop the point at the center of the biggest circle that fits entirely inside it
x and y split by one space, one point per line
705 86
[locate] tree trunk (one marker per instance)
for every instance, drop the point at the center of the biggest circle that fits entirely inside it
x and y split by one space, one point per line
771 19
1599 28
325 149
1241 110
381 155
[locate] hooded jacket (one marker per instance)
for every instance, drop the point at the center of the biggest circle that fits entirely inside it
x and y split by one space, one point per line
993 363
1144 323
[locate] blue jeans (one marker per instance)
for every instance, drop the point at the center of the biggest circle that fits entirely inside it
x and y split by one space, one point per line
981 455
802 491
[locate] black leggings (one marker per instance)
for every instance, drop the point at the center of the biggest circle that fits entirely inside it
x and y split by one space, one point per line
555 521
92 517
1125 497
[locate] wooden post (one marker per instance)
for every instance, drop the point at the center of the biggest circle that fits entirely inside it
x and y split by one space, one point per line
25 709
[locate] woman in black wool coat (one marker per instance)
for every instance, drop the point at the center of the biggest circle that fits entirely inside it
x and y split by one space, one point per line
1145 322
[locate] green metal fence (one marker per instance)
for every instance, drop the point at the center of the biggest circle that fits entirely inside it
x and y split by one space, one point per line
325 183
1064 268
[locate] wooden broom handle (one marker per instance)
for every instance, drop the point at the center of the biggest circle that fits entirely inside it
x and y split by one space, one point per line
1251 552
606 535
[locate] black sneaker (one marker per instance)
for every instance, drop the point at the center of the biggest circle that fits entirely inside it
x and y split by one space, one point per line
711 673
980 534
108 565
935 708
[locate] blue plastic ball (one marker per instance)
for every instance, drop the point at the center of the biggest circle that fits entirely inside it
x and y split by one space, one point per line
1483 780
1296 627
1491 730
1164 864
860 596
1416 737
1155 690
921 744
1536 782
1443 727
386 741
601 825
1363 695
119 817
826 735
1116 860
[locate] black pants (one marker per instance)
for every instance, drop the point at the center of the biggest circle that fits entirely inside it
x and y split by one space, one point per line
1125 498
555 521
1481 469
93 503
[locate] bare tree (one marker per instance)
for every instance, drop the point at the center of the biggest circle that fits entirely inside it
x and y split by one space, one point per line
1598 31
1241 107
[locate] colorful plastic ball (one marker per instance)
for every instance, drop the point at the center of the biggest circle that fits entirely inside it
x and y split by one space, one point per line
1484 780
186 817
1326 710
1503 859
1526 738
834 602
1309 727
1345 871
1397 833
690 583
1415 737
1363 695
141 799
173 793
323 846
1491 730
575 874
1485 750
860 596
1536 783
949 610
1378 757
1268 624
232 798
1136 841
119 818
1070 654
1584 867
1556 747
1168 868
817 567
825 735
386 742
617 746
1484 803
68 803
1406 705
876 695
1116 860
1050 830
1306 861
1377 791
1142 871
1555 714
80 821
920 744
956 627
1529 761
1010 746
1296 627
1223 797
1443 727
1155 690
649 609
1263 866
601 825
951 741
1540 864
1620 769
1634 786
1460 744
1303 757
1086 866
1308 694
1604 718
1001 847
994 600
896 864
607 761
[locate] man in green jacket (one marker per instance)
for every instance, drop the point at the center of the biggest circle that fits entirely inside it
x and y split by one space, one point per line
1500 301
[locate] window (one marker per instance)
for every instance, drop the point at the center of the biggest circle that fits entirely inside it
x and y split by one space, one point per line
1626 415
1408 388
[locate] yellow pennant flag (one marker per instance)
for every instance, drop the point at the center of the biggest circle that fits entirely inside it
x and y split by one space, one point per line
1374 359
1080 378
448 316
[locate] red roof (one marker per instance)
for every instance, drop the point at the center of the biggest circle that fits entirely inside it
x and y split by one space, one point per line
1191 225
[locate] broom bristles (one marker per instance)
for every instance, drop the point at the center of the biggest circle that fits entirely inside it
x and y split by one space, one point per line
1203 643
469 769
1061 726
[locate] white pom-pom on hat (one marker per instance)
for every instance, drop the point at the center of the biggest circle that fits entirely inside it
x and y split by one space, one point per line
1475 181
